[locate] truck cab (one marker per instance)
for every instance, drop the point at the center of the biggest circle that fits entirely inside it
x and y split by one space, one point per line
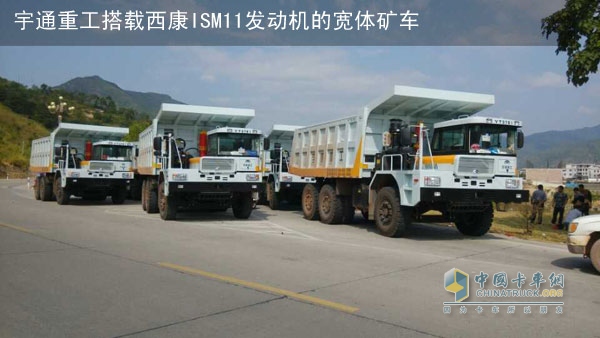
280 184
474 152
104 169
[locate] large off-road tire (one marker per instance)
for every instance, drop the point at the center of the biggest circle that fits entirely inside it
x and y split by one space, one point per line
167 205
390 217
475 223
36 189
330 206
310 202
241 204
119 195
595 255
272 196
63 196
151 198
46 193
144 198
348 210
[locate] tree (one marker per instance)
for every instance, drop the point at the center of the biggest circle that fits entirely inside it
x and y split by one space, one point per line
135 129
578 22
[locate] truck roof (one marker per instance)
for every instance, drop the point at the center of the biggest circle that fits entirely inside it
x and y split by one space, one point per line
66 130
114 143
282 131
429 103
204 116
234 130
479 120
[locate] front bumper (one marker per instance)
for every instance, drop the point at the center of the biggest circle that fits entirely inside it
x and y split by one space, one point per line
471 196
577 244
212 187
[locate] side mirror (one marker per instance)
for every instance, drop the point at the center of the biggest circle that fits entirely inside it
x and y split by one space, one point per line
157 144
520 139
266 144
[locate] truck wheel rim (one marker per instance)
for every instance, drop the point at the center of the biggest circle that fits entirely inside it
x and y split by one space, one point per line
385 212
308 202
326 204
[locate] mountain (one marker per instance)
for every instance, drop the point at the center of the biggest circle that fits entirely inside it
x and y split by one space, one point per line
145 103
550 148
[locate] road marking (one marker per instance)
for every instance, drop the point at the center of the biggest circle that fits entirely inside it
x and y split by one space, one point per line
262 287
18 228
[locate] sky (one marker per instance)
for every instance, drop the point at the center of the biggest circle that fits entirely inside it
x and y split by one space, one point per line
309 85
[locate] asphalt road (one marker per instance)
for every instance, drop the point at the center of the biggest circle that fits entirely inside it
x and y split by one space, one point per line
94 269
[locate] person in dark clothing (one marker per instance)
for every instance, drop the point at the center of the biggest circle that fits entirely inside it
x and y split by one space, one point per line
587 203
559 201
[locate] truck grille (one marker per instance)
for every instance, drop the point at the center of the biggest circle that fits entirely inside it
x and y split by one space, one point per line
218 164
474 165
101 166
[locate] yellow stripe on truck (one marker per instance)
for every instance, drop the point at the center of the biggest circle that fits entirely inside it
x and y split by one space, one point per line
357 162
40 169
439 159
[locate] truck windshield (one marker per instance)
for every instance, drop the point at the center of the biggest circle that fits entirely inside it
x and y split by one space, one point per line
475 139
111 153
231 144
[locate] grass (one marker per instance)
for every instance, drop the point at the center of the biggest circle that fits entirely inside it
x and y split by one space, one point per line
16 133
513 223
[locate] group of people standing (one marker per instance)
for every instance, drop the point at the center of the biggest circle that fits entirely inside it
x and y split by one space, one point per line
582 202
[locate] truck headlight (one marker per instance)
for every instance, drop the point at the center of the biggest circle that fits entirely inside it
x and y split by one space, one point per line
179 177
127 175
74 174
252 177
433 181
573 227
286 178
511 183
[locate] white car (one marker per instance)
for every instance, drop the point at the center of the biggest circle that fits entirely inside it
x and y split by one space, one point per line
584 238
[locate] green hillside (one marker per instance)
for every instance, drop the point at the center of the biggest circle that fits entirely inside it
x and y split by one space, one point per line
16 134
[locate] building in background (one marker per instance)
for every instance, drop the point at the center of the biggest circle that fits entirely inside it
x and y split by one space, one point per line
582 171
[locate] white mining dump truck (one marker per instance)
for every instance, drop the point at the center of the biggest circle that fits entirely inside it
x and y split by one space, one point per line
199 158
280 185
383 162
83 160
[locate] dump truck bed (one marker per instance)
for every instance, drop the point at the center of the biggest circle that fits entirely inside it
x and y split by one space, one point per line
283 134
346 148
